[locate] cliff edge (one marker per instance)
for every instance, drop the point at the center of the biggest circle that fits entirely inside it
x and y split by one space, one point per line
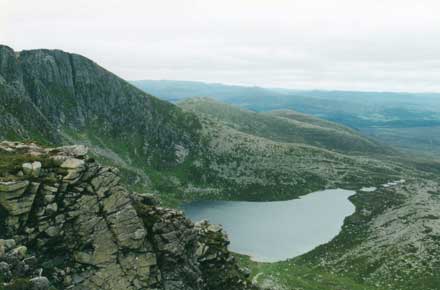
87 231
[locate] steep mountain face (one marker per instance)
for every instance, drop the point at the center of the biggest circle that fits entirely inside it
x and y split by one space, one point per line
78 97
287 126
19 116
56 97
88 232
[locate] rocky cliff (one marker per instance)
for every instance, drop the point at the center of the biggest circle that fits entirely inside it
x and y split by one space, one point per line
88 232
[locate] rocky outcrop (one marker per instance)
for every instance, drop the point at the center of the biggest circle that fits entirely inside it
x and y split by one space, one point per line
220 270
18 269
89 232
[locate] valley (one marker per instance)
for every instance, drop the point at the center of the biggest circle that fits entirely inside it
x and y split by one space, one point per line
94 215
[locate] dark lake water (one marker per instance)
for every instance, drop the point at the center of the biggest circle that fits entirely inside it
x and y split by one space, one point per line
274 231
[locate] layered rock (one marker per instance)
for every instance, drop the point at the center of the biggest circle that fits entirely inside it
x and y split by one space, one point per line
89 232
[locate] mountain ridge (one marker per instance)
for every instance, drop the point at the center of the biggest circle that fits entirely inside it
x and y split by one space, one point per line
170 150
287 126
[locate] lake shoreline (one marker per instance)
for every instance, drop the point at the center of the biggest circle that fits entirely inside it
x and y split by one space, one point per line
294 226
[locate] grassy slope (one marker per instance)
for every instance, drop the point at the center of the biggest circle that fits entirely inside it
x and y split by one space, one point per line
289 275
408 121
287 126
390 242
422 141
263 169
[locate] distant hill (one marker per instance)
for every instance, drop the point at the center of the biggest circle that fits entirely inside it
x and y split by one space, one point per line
409 121
287 126
388 105
177 90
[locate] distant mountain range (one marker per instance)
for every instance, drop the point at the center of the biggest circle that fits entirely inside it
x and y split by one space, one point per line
409 121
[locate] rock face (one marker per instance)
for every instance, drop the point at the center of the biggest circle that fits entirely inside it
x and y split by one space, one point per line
70 93
55 97
89 232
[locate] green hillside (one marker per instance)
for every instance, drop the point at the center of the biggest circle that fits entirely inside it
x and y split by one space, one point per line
287 126
407 121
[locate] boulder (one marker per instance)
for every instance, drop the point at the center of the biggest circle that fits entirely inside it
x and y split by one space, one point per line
5 271
49 198
2 249
32 169
52 231
73 163
40 283
20 251
36 168
27 168
4 268
51 208
9 244
76 151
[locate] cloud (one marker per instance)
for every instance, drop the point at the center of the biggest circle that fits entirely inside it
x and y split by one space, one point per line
339 44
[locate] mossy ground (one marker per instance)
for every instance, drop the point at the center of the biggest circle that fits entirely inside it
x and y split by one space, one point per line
289 275
11 163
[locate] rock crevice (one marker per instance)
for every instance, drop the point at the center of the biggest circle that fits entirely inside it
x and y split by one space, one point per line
89 232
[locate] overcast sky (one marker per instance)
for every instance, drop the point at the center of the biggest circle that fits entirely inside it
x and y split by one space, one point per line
305 44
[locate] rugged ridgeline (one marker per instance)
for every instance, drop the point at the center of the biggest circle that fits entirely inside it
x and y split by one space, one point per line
86 231
55 97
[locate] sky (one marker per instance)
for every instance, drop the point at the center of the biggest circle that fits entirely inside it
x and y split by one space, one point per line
380 45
